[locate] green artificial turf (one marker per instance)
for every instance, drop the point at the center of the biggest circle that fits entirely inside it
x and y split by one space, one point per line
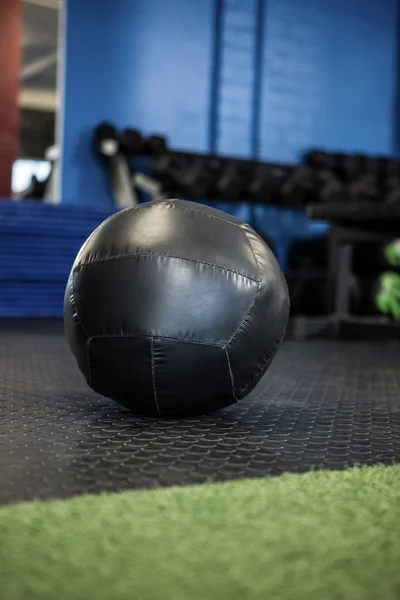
322 536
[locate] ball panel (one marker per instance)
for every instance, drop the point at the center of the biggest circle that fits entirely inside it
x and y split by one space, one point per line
261 331
256 342
205 210
160 296
74 331
191 379
263 256
175 229
120 369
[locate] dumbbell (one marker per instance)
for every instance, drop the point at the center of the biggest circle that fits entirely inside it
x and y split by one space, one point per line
330 189
354 167
106 139
373 167
233 180
389 179
364 190
192 176
385 295
318 159
163 169
265 187
300 187
198 176
391 189
155 144
107 143
393 195
131 141
388 167
338 159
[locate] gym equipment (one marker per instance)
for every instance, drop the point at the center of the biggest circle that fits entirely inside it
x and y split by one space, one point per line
131 141
107 143
373 224
338 160
368 258
392 197
193 176
233 180
266 185
179 174
329 187
318 159
105 139
46 190
351 213
353 167
35 190
155 144
389 168
51 193
196 176
387 297
364 190
299 189
163 168
392 253
175 309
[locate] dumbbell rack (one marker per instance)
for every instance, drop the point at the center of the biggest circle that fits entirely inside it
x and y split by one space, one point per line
350 226
189 174
145 168
313 186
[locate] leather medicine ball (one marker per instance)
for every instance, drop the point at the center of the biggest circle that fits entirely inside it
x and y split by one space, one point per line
174 309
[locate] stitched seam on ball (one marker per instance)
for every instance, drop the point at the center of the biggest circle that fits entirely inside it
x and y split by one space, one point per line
88 361
159 337
242 322
75 306
88 340
264 365
138 255
101 225
252 249
112 216
231 374
153 376
204 214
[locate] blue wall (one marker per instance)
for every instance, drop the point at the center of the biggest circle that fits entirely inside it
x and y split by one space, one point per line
137 63
329 78
265 78
237 78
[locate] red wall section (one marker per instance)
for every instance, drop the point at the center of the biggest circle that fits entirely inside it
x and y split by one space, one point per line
10 51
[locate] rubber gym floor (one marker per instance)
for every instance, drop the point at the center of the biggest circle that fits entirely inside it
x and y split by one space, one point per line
291 493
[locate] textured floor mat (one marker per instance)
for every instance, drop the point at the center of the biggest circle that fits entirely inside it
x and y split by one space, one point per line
321 405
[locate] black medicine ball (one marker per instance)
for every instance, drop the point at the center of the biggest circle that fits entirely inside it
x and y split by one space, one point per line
175 309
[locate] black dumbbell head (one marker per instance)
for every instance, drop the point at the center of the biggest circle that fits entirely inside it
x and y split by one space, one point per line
265 186
332 192
300 187
233 179
318 159
105 139
196 178
155 144
363 190
131 141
